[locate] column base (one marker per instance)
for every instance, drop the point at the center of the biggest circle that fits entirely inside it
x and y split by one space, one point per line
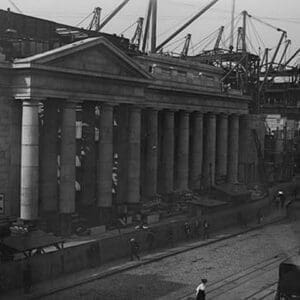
134 208
65 224
50 221
104 215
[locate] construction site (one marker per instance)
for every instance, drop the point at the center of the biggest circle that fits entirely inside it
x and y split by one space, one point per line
101 133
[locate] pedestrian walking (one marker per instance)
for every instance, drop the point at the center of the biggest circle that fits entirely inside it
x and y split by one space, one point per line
282 199
134 249
200 290
150 239
187 230
205 230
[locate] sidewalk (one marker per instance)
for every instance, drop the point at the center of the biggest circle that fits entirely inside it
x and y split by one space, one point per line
64 282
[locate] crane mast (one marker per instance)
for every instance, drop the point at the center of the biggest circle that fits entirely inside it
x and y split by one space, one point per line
95 23
217 44
136 39
186 45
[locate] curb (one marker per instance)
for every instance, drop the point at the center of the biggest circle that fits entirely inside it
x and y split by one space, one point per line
169 253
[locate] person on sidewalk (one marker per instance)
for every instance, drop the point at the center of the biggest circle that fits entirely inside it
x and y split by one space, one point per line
282 199
187 230
134 249
205 230
200 290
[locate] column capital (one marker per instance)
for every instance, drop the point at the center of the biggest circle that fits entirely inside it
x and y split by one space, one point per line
223 115
107 104
211 115
31 99
135 108
152 108
30 103
169 111
198 113
184 112
235 115
70 104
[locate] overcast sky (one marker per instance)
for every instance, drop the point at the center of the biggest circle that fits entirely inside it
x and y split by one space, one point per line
284 14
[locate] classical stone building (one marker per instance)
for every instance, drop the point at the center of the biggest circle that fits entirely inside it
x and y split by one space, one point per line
76 116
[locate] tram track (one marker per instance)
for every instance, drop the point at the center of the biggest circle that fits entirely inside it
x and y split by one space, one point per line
229 283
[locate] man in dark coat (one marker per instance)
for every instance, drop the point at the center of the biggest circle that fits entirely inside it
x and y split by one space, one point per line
134 249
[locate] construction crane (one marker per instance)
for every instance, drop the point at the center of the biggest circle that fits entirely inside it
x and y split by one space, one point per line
288 43
270 67
136 39
239 39
201 12
186 45
217 44
95 23
150 19
112 14
146 30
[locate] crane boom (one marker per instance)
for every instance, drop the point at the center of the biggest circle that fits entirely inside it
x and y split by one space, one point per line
291 58
288 43
15 6
267 72
114 12
201 12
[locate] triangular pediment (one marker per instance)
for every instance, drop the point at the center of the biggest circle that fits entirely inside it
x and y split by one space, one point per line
96 55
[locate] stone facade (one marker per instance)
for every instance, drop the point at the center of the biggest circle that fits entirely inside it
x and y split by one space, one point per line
164 125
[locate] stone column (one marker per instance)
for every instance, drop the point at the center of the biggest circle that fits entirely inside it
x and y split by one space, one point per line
67 166
134 154
150 180
29 198
167 152
222 146
49 152
233 149
88 187
105 163
196 151
182 159
209 151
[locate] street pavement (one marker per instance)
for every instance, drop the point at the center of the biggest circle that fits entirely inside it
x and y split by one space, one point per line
241 267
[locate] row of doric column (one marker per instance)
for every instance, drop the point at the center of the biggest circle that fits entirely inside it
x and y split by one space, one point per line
181 150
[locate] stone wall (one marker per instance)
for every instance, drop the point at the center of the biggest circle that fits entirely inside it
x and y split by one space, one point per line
73 259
